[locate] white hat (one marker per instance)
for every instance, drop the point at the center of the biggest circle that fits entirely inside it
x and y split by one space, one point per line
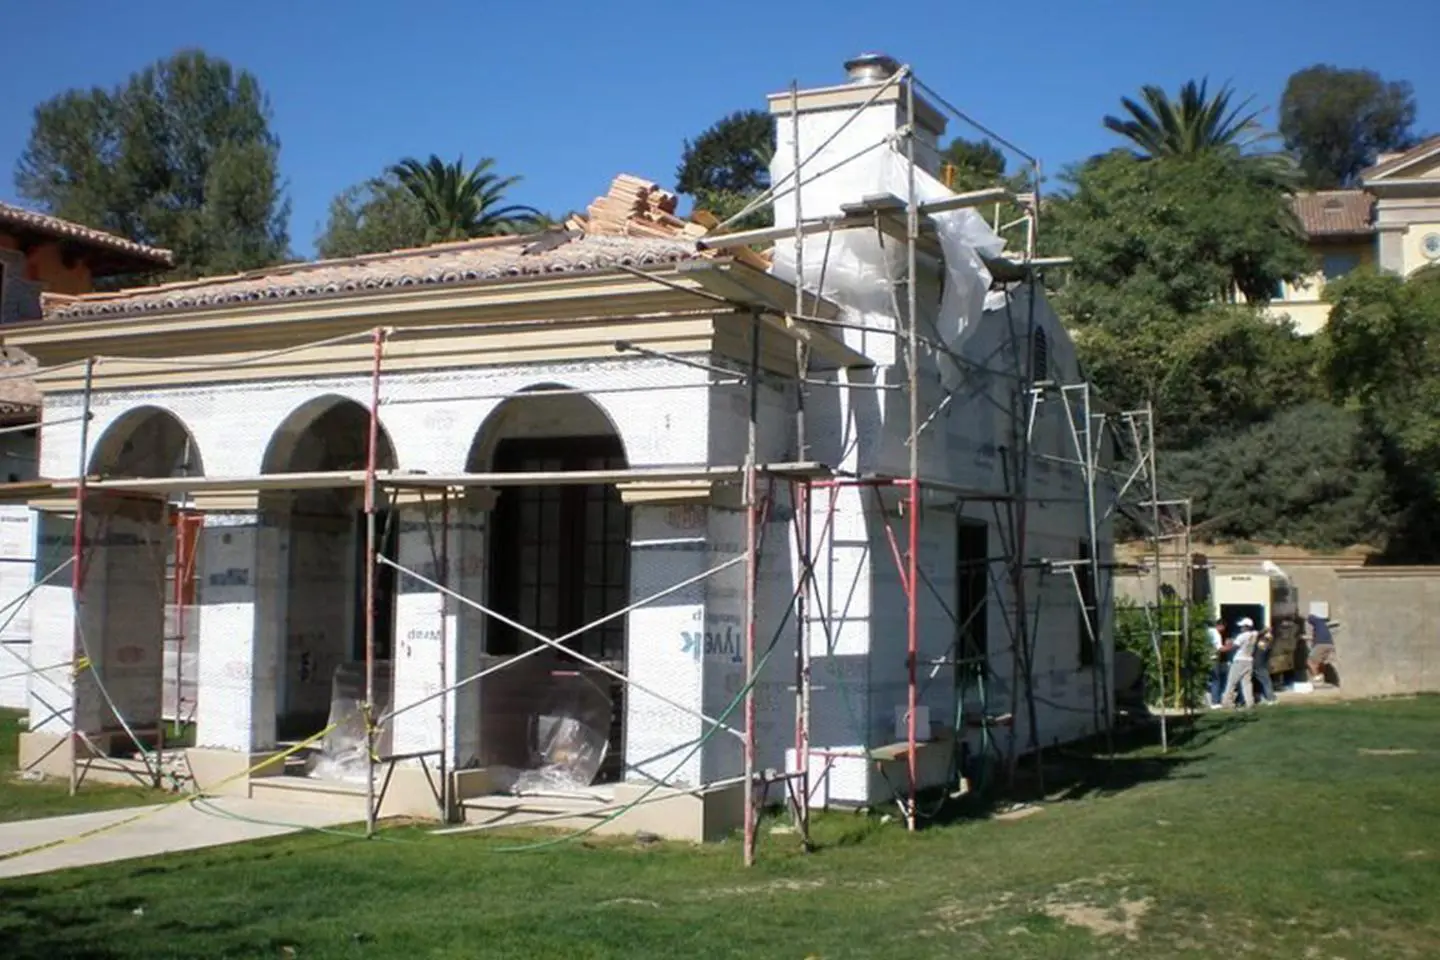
1246 622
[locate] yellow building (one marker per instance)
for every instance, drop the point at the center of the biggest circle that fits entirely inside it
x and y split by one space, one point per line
1340 226
1392 223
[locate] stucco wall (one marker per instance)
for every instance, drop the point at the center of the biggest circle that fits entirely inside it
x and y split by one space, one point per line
1315 578
1389 642
1411 243
1302 300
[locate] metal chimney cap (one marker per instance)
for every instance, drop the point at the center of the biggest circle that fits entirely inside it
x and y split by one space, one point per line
871 68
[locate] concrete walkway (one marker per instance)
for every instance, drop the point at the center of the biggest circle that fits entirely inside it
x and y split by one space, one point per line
164 829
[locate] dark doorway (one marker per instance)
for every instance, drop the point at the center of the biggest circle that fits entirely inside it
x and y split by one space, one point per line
387 538
972 587
560 555
1088 622
560 559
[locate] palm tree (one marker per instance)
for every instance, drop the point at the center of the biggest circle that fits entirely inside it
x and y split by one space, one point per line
1191 124
459 203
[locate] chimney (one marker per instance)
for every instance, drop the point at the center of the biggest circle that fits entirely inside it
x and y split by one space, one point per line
871 68
822 111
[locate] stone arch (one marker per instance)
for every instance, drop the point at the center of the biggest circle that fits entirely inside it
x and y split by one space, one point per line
315 543
541 410
329 432
556 559
147 441
139 585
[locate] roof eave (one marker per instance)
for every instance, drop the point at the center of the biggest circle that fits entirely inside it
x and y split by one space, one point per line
127 257
362 309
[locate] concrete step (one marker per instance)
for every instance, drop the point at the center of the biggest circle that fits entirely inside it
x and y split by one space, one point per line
332 794
559 812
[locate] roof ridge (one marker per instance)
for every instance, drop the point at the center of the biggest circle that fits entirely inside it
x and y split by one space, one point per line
1403 157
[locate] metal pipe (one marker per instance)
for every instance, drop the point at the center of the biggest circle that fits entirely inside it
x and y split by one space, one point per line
77 572
1149 454
802 659
800 501
371 466
912 300
751 574
25 427
444 651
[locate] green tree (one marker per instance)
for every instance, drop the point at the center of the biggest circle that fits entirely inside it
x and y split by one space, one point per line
372 217
1192 123
180 156
1174 235
728 165
977 164
457 203
1161 247
1382 356
973 164
1337 121
1311 476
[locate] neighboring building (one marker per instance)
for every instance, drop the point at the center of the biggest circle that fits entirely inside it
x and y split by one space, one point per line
1406 187
617 346
1340 227
39 255
1393 224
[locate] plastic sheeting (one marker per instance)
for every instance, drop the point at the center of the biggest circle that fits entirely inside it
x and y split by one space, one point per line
860 268
569 735
342 751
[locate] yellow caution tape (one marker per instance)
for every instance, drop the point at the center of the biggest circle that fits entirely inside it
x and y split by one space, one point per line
150 812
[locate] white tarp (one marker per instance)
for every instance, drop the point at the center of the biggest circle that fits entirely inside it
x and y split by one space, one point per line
860 266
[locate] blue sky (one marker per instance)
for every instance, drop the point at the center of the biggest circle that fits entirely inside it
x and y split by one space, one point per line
569 93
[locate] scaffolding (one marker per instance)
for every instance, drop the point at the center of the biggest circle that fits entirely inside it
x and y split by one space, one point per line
1100 441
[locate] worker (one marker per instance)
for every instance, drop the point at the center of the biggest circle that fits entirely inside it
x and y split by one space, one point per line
1263 644
1242 662
1220 665
1322 648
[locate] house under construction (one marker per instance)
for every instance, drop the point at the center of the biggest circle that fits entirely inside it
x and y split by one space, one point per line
624 523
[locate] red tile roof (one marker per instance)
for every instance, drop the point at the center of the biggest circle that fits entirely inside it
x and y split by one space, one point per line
57 229
1335 213
632 226
439 265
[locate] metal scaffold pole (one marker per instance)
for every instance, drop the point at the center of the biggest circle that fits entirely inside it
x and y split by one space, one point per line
1157 535
77 569
371 466
445 604
800 503
912 488
751 576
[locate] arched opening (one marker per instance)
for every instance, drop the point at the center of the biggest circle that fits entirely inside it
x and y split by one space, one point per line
138 616
558 560
314 597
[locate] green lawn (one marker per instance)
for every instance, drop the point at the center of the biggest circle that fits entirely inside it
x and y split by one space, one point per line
23 800
1296 832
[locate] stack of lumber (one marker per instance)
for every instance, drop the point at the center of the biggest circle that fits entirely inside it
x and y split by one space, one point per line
638 208
635 207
